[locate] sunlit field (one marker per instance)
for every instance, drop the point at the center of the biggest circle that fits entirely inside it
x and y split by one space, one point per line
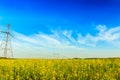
60 69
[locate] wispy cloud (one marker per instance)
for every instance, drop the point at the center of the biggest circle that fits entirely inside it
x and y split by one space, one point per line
111 36
62 42
43 44
44 40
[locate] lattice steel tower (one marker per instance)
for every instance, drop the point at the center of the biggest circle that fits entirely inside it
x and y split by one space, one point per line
6 43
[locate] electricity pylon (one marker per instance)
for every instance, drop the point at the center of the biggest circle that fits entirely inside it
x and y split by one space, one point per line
6 43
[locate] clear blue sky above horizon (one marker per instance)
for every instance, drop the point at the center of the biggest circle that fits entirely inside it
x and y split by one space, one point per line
91 25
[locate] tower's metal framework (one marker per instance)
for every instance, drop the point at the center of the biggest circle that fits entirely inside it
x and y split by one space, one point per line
6 43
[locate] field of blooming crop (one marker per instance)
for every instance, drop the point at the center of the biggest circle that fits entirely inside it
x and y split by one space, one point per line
60 69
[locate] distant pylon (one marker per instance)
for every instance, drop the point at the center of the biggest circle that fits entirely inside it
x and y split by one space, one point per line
6 43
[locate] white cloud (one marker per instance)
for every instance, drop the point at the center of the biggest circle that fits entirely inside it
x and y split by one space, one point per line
44 40
41 45
21 37
111 36
88 40
101 28
63 41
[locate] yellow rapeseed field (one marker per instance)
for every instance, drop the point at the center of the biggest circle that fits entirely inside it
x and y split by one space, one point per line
59 69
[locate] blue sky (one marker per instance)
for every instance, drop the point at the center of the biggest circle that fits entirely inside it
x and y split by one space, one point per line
64 28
